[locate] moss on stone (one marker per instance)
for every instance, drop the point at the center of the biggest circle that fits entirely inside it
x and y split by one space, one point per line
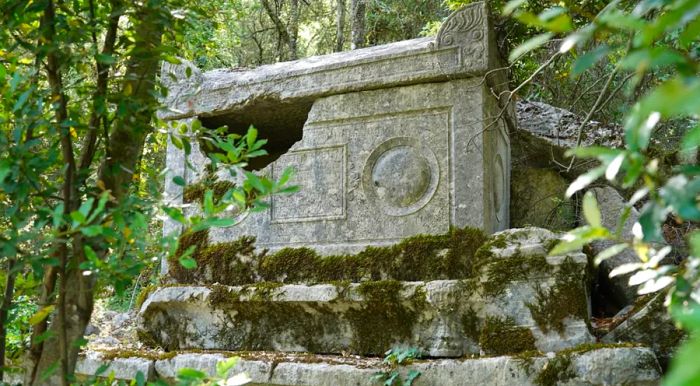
501 272
471 325
502 337
565 298
422 257
129 353
556 370
384 319
228 263
194 193
144 294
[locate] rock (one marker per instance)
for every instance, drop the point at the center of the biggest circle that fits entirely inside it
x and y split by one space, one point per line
92 329
537 199
611 206
123 368
120 319
518 293
589 365
106 341
559 126
651 325
545 133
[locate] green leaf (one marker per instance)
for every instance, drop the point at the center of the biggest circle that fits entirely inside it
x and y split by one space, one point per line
92 230
681 194
188 262
412 376
178 180
208 202
191 374
175 214
575 240
529 45
42 314
223 222
590 210
105 59
651 217
624 269
255 182
691 140
654 57
584 180
609 252
4 170
590 58
251 137
90 253
223 367
511 6
77 217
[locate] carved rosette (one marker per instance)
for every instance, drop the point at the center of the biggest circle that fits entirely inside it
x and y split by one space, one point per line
465 28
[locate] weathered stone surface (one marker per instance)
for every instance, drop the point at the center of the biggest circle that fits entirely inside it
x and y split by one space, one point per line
387 142
123 368
537 199
611 206
559 126
651 325
375 167
590 366
542 300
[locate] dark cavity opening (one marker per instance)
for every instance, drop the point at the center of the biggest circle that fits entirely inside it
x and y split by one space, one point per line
281 123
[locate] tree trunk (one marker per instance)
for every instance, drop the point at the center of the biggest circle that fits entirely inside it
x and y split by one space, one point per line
294 29
126 141
282 33
357 33
4 311
340 25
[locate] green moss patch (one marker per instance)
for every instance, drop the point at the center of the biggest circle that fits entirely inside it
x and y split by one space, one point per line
564 298
194 193
502 337
501 272
421 257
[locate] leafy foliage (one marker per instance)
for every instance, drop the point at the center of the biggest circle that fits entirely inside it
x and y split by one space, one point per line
396 358
646 37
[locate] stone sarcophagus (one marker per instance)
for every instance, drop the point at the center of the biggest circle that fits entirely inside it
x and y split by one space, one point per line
386 142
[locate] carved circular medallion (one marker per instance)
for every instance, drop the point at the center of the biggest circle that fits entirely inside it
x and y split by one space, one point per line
401 176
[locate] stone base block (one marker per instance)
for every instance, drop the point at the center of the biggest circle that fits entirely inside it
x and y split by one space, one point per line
589 365
520 300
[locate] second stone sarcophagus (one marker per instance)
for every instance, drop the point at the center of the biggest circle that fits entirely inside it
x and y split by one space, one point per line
387 142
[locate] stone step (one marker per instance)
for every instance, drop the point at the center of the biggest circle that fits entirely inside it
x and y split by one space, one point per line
587 365
444 318
519 300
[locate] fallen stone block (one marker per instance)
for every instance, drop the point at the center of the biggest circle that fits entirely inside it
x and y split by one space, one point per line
650 324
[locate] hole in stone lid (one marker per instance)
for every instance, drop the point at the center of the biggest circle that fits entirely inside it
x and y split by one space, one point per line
281 123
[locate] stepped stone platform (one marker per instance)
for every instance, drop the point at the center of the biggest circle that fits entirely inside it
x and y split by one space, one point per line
587 365
519 300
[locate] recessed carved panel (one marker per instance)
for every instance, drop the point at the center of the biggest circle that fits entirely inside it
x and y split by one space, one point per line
320 174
